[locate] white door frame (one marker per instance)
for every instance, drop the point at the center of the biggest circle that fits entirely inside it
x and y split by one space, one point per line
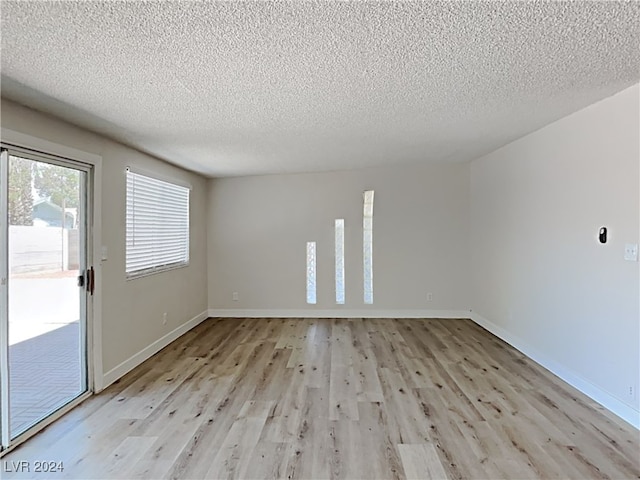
4 310
94 234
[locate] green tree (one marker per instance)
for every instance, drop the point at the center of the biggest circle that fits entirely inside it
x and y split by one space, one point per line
59 184
20 196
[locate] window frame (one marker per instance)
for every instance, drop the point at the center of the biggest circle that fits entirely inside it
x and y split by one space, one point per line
157 267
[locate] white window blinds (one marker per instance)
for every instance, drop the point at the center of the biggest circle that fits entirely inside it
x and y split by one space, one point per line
157 225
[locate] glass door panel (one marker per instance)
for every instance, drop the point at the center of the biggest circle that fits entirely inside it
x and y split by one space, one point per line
46 314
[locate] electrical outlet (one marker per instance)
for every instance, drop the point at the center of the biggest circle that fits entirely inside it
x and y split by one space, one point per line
631 252
429 296
631 391
236 296
164 318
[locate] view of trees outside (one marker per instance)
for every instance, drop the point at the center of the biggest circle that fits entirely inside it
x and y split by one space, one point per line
57 184
20 192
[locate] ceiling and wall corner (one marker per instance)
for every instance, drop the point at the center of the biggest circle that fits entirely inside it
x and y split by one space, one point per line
240 88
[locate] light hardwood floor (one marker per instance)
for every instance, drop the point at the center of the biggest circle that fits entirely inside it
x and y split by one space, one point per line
343 398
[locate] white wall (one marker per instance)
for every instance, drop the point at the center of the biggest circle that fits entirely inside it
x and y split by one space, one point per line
131 310
259 226
539 275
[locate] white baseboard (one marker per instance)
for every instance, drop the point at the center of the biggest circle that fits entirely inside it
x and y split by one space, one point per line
132 362
336 313
608 401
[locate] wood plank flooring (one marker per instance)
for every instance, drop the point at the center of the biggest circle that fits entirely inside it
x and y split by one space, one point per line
337 398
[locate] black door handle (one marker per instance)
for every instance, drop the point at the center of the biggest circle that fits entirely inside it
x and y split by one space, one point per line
91 280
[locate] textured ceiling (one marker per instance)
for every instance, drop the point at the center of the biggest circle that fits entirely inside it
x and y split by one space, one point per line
250 88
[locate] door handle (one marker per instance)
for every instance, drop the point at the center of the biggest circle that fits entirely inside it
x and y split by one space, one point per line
91 280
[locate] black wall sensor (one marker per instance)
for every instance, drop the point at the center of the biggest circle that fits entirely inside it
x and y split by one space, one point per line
603 235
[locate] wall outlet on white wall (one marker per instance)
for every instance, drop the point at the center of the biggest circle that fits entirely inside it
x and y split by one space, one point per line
164 318
236 296
429 296
631 252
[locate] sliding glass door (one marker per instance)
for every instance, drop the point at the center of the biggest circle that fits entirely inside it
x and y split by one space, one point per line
45 287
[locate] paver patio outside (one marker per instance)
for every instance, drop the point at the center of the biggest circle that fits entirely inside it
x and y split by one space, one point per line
44 348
